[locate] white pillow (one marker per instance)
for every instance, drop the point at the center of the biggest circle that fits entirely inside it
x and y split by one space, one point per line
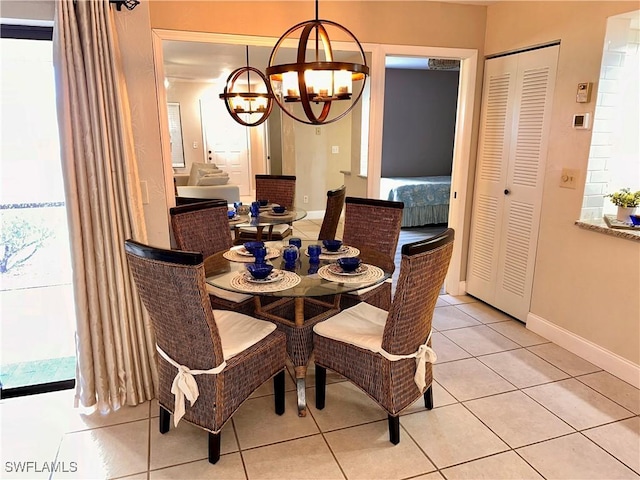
215 179
199 169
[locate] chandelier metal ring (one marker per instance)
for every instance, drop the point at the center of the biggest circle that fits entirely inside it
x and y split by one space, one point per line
304 94
247 98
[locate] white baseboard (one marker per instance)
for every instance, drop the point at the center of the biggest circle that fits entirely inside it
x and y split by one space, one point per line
603 358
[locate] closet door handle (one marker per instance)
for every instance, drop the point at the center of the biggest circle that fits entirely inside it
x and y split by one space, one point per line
507 191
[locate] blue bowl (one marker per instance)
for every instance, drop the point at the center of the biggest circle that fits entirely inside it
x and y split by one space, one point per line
332 245
349 264
231 214
278 209
263 203
635 220
251 246
259 271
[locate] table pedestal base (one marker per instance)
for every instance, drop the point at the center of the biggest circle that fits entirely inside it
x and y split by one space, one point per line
296 318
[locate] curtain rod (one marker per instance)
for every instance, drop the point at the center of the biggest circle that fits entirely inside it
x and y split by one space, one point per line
128 4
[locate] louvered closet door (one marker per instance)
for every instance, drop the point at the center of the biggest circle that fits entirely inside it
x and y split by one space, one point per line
512 155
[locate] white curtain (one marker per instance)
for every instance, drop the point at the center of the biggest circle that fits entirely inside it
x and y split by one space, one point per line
114 340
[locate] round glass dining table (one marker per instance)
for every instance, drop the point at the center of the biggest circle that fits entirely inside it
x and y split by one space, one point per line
220 272
310 291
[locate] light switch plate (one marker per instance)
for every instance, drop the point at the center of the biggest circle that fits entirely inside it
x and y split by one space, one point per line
569 177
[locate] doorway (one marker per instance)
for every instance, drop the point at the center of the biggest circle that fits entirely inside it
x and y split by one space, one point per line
363 178
36 294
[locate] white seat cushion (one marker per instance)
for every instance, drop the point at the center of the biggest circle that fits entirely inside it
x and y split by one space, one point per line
361 325
238 331
276 229
362 291
226 295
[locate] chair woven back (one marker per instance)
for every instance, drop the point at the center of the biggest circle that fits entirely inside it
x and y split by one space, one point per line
171 286
335 203
201 227
423 268
373 225
280 189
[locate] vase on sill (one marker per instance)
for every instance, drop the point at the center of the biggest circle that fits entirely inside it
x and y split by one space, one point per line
624 213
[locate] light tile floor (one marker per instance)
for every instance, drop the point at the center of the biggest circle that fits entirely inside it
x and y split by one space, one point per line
508 404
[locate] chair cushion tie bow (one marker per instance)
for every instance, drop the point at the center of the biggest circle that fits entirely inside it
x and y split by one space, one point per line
184 385
423 355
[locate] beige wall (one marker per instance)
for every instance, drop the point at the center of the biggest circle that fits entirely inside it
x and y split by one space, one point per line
404 23
134 37
188 95
585 282
33 10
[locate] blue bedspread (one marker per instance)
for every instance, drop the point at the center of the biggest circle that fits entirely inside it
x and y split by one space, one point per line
426 199
417 191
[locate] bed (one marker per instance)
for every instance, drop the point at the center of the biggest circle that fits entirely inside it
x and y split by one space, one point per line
426 199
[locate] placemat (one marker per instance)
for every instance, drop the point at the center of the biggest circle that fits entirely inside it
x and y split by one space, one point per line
239 219
289 280
348 252
372 275
233 255
287 214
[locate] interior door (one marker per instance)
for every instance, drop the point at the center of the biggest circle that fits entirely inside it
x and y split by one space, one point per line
516 110
227 144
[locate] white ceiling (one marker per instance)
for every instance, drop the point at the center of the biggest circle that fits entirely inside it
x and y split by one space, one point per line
210 62
206 62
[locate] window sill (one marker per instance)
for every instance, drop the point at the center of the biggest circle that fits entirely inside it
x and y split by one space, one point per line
601 227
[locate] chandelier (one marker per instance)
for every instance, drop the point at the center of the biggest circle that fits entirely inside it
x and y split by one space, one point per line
247 105
318 81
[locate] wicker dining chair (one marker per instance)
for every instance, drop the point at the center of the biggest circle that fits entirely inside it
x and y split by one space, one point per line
335 204
280 189
204 227
373 226
189 200
378 350
242 351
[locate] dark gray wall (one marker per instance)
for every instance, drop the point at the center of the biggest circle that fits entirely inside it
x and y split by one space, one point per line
419 122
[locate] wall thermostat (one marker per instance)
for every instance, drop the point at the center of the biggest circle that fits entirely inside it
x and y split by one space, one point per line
582 121
584 92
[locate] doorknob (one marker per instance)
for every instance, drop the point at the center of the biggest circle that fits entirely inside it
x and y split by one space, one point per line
507 191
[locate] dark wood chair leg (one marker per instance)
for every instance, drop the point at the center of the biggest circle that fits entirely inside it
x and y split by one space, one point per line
165 420
321 382
278 390
428 398
394 429
214 447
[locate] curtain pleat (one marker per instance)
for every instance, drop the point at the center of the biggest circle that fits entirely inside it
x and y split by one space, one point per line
114 340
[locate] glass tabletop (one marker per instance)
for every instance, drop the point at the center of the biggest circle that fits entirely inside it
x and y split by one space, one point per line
267 217
220 272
